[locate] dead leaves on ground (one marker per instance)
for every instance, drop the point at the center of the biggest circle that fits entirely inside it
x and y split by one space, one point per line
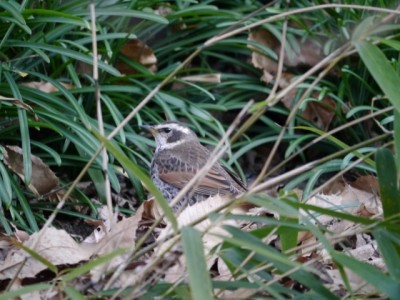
299 53
139 52
164 259
43 179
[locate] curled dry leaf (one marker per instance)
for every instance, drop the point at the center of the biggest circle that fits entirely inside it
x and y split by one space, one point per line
139 52
46 87
43 179
204 78
21 104
56 246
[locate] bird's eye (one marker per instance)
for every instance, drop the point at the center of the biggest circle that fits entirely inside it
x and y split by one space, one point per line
166 130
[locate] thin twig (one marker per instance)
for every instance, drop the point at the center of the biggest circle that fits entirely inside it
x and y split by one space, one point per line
104 155
280 16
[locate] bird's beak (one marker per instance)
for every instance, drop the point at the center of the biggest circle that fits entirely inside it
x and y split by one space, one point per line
149 128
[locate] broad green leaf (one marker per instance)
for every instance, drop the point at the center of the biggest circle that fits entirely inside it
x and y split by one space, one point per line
199 277
24 130
5 187
25 290
387 175
397 143
129 13
74 293
280 261
372 275
13 11
381 70
83 269
389 250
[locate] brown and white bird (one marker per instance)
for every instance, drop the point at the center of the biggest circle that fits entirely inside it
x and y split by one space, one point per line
178 157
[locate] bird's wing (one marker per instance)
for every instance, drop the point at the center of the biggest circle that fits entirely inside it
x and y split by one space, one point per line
216 180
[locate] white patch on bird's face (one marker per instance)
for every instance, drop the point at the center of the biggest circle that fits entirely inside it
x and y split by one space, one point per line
170 145
173 126
170 135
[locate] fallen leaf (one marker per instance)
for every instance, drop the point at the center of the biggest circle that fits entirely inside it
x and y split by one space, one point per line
46 87
20 104
320 113
120 235
203 78
212 232
304 51
55 245
367 183
43 178
139 52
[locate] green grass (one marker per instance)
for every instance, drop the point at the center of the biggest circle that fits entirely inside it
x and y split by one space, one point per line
51 42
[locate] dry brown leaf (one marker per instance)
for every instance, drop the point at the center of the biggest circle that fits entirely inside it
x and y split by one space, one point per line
357 284
204 78
138 51
102 229
352 201
43 178
308 53
21 104
56 246
260 61
367 183
321 113
211 229
334 187
151 210
46 87
121 235
20 235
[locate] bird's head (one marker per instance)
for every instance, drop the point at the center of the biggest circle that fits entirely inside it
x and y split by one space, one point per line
170 134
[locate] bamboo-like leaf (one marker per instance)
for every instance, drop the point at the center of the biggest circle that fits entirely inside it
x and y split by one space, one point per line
74 293
5 186
67 52
25 290
383 73
129 13
83 269
386 169
199 277
13 11
280 261
372 275
390 251
24 130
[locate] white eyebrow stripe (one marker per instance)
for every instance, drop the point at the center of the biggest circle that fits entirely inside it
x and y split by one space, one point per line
174 126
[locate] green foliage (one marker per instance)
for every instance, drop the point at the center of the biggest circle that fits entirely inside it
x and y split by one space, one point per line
50 41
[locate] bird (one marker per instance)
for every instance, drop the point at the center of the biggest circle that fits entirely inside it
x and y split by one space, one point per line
177 158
